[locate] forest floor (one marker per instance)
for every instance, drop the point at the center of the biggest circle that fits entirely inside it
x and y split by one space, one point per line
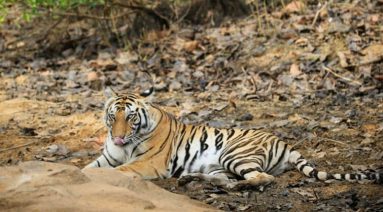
313 76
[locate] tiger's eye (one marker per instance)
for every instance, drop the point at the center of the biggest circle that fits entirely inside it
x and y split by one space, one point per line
131 116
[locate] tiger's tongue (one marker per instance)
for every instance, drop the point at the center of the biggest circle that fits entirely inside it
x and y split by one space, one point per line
119 141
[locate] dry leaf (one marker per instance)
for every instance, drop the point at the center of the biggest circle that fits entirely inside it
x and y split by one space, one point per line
294 70
304 192
373 53
373 18
190 46
294 7
342 59
91 76
370 128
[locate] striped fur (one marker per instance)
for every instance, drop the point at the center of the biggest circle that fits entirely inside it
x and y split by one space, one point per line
145 140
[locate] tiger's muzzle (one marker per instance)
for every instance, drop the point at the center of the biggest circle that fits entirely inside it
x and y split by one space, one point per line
119 141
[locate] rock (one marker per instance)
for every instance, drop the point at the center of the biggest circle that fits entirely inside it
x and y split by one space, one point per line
26 131
42 186
245 117
57 149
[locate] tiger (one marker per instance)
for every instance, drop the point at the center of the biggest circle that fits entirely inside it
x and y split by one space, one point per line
146 141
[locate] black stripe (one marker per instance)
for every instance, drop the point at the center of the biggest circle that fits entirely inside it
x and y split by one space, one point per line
139 154
203 145
138 173
157 173
246 160
342 176
303 166
246 171
135 147
173 170
132 99
234 157
358 176
192 161
98 163
178 172
145 117
187 154
230 133
245 133
216 132
280 158
314 173
108 160
298 160
218 142
110 155
371 176
271 154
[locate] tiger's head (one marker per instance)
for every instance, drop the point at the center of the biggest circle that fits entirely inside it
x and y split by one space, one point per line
127 116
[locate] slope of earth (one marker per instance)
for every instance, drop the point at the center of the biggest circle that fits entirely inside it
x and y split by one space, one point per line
42 186
312 74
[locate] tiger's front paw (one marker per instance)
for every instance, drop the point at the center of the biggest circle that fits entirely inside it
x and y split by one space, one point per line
185 179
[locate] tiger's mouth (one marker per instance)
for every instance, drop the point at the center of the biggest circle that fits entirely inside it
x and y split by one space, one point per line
119 141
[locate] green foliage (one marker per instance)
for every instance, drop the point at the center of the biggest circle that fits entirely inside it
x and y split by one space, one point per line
31 7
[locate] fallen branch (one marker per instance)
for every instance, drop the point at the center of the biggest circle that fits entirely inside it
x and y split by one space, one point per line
340 76
19 146
91 16
332 140
318 13
144 9
251 79
23 145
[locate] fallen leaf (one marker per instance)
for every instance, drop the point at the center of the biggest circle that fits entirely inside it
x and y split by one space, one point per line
342 59
91 76
57 149
294 7
373 53
190 46
294 70
305 193
373 18
370 128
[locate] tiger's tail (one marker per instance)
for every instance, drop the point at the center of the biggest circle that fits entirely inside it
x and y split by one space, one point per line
309 170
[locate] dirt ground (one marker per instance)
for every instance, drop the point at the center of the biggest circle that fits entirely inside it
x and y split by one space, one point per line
312 76
41 130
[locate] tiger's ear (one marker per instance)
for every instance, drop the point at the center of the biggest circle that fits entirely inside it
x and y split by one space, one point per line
148 92
109 92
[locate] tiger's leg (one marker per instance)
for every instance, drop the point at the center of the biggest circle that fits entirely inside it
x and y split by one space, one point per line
112 156
253 176
215 178
145 170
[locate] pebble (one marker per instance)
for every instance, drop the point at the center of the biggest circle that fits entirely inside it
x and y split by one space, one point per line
246 117
80 154
28 131
285 193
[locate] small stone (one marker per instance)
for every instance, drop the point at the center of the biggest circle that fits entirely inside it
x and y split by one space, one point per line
175 85
198 74
54 131
246 117
57 149
285 193
28 131
80 154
